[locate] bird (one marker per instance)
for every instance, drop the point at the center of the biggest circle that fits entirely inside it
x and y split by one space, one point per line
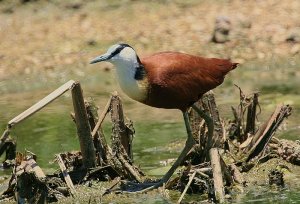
168 80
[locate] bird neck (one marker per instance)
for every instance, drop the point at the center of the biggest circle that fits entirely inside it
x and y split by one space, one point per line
132 77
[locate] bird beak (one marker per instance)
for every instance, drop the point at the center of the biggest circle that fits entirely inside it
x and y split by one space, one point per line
100 58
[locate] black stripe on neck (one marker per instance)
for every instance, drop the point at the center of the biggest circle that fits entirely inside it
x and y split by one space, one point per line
140 71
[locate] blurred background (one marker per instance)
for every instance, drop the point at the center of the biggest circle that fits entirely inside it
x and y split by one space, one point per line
43 44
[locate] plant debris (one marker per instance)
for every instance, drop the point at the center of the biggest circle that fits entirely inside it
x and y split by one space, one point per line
212 168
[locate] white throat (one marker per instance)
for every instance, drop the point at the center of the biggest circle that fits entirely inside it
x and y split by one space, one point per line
125 64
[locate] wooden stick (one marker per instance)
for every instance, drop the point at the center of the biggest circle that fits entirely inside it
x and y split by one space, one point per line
65 174
99 138
101 117
42 103
120 134
217 174
237 176
3 140
134 173
187 187
264 135
251 116
83 128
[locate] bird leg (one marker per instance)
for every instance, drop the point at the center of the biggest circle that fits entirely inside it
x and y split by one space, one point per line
210 125
188 146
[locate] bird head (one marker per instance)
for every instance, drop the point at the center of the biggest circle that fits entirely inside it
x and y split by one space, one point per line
117 53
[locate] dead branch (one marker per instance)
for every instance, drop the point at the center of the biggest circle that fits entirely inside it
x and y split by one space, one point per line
42 103
101 117
251 116
99 140
65 174
264 135
187 186
120 133
217 175
83 128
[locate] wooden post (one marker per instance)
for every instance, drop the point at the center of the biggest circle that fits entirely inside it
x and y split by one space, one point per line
83 128
120 132
209 103
98 138
217 174
251 116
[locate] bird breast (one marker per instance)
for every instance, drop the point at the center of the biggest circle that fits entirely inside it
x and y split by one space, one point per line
135 89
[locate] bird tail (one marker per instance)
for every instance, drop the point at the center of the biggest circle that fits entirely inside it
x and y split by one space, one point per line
234 65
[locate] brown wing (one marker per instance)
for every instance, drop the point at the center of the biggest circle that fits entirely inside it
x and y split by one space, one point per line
178 80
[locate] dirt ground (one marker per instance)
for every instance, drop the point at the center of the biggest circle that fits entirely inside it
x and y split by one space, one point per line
46 36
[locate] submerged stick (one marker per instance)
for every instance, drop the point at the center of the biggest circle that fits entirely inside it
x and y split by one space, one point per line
217 175
83 128
42 103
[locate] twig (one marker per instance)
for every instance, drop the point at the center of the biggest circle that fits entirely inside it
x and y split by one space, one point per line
101 117
186 187
134 173
115 183
201 173
42 103
65 174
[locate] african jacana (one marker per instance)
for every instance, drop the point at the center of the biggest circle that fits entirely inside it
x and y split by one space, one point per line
170 80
